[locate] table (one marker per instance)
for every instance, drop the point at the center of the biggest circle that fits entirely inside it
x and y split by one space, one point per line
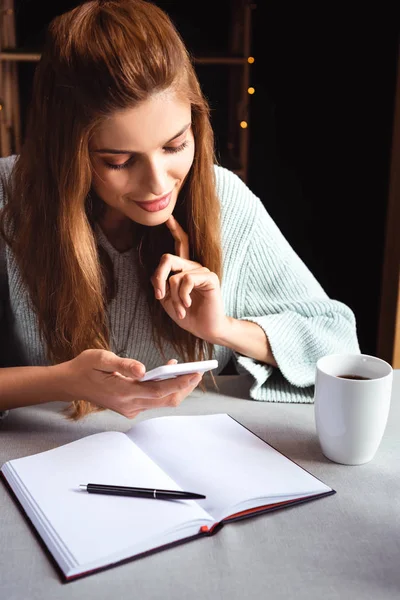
346 546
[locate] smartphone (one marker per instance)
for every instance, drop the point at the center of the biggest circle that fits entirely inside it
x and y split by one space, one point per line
171 371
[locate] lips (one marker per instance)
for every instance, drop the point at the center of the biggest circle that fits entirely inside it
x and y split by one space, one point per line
156 205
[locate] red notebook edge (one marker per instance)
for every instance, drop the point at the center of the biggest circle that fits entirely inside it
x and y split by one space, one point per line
254 512
202 533
66 579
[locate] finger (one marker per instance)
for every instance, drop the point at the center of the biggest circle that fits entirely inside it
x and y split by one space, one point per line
180 236
182 285
168 264
176 399
134 413
172 361
179 306
127 410
153 393
109 362
135 403
186 288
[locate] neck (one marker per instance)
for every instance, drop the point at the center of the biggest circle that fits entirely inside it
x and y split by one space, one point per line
118 229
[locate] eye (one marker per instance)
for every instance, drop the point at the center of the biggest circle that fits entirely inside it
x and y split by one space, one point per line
131 160
120 166
171 150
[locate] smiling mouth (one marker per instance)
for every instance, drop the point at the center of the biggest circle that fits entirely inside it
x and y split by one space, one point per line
156 205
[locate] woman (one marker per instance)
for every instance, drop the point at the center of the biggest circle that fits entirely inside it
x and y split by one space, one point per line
122 238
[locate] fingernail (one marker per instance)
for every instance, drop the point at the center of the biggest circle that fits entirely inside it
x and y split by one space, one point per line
158 294
196 377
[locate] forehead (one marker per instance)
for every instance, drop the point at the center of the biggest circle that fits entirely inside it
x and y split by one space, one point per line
146 126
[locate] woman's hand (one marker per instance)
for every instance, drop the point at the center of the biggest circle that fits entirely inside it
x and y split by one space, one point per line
105 379
191 295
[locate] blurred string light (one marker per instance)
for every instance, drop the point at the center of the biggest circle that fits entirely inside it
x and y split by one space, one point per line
250 90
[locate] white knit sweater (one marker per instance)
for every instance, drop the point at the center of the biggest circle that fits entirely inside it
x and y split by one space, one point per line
264 281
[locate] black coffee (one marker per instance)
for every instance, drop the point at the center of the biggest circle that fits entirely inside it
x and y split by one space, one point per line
353 377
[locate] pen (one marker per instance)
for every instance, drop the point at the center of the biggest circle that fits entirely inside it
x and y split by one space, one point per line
138 492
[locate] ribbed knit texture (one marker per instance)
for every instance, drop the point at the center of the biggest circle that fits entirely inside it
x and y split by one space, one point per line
264 281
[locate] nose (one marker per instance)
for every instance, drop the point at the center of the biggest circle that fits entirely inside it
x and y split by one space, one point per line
155 177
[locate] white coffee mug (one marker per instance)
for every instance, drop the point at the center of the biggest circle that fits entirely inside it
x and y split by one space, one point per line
352 400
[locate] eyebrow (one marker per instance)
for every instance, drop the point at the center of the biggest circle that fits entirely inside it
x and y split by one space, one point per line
117 151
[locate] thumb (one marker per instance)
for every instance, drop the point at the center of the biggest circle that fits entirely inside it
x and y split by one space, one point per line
172 361
128 367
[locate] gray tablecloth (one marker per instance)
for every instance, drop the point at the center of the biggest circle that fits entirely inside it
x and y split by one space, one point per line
346 546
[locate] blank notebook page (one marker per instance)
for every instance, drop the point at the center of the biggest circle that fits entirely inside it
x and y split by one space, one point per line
92 525
216 456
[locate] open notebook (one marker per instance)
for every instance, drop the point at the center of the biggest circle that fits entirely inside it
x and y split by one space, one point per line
214 455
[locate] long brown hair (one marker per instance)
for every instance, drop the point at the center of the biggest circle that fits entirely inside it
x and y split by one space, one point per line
102 56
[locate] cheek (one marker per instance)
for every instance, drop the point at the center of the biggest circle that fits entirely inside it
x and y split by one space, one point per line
185 162
106 180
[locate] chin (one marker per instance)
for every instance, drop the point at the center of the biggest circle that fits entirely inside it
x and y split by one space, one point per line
152 219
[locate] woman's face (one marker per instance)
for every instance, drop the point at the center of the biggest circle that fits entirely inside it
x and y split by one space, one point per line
141 157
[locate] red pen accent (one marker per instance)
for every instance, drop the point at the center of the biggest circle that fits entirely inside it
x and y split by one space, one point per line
204 529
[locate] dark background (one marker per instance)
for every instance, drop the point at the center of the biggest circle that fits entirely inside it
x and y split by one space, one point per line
320 125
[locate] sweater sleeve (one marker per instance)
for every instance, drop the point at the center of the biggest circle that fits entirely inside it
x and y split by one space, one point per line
282 296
